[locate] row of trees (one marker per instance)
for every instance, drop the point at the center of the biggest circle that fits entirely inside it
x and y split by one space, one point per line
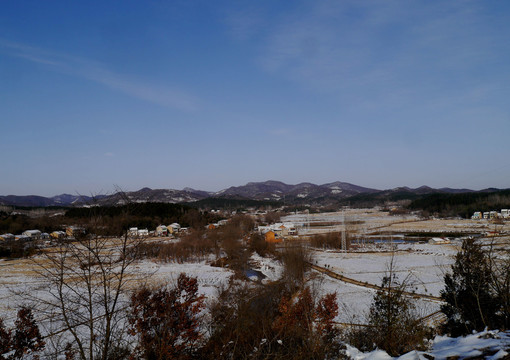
142 215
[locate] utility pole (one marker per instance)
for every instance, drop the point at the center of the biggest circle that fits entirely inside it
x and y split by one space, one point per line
344 240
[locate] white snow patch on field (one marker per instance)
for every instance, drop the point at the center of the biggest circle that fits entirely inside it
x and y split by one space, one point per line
271 268
209 278
424 265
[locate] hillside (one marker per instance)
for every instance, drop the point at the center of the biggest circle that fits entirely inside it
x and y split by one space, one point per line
277 193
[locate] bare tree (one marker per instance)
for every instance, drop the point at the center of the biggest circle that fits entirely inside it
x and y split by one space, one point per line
84 291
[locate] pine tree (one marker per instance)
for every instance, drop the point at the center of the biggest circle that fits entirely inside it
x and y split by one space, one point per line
470 304
394 326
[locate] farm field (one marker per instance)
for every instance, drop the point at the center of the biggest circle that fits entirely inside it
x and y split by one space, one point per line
374 221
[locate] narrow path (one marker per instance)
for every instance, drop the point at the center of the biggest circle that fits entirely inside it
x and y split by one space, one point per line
345 279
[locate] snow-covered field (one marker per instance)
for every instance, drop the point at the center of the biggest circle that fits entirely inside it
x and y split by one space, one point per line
422 264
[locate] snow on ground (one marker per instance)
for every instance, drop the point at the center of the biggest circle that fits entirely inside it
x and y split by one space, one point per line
487 344
271 268
353 301
209 278
424 264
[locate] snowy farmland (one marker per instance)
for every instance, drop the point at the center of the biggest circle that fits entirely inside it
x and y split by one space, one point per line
422 264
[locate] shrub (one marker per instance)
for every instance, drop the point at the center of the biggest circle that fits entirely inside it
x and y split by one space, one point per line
24 339
296 260
267 322
166 320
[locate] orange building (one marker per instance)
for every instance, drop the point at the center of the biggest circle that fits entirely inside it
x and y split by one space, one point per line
271 237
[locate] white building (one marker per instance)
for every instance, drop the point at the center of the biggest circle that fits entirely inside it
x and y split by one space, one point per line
33 234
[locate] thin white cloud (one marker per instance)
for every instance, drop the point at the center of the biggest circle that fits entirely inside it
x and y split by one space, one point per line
364 46
96 72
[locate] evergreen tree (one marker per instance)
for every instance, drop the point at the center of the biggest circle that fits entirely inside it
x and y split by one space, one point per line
394 325
470 304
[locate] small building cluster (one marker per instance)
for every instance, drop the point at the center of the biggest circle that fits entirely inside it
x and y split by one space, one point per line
277 232
161 230
504 214
36 235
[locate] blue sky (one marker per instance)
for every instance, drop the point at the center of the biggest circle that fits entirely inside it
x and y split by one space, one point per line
211 94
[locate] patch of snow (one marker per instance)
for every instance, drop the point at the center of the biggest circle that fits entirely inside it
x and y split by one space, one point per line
270 267
444 347
355 354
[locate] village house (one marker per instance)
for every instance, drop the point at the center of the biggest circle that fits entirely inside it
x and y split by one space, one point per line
504 214
143 232
32 234
278 231
161 230
58 235
174 228
74 231
271 237
135 232
7 237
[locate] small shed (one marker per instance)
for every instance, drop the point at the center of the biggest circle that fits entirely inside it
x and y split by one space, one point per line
439 241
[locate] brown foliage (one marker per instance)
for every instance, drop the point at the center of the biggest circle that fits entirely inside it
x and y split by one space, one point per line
166 321
24 339
267 322
332 240
194 246
296 260
259 244
272 217
307 326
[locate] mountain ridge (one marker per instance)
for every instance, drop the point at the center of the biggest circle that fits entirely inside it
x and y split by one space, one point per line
269 190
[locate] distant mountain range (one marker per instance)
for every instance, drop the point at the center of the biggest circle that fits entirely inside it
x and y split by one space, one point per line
303 193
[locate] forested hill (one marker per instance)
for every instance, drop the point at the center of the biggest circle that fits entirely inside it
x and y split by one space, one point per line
464 204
